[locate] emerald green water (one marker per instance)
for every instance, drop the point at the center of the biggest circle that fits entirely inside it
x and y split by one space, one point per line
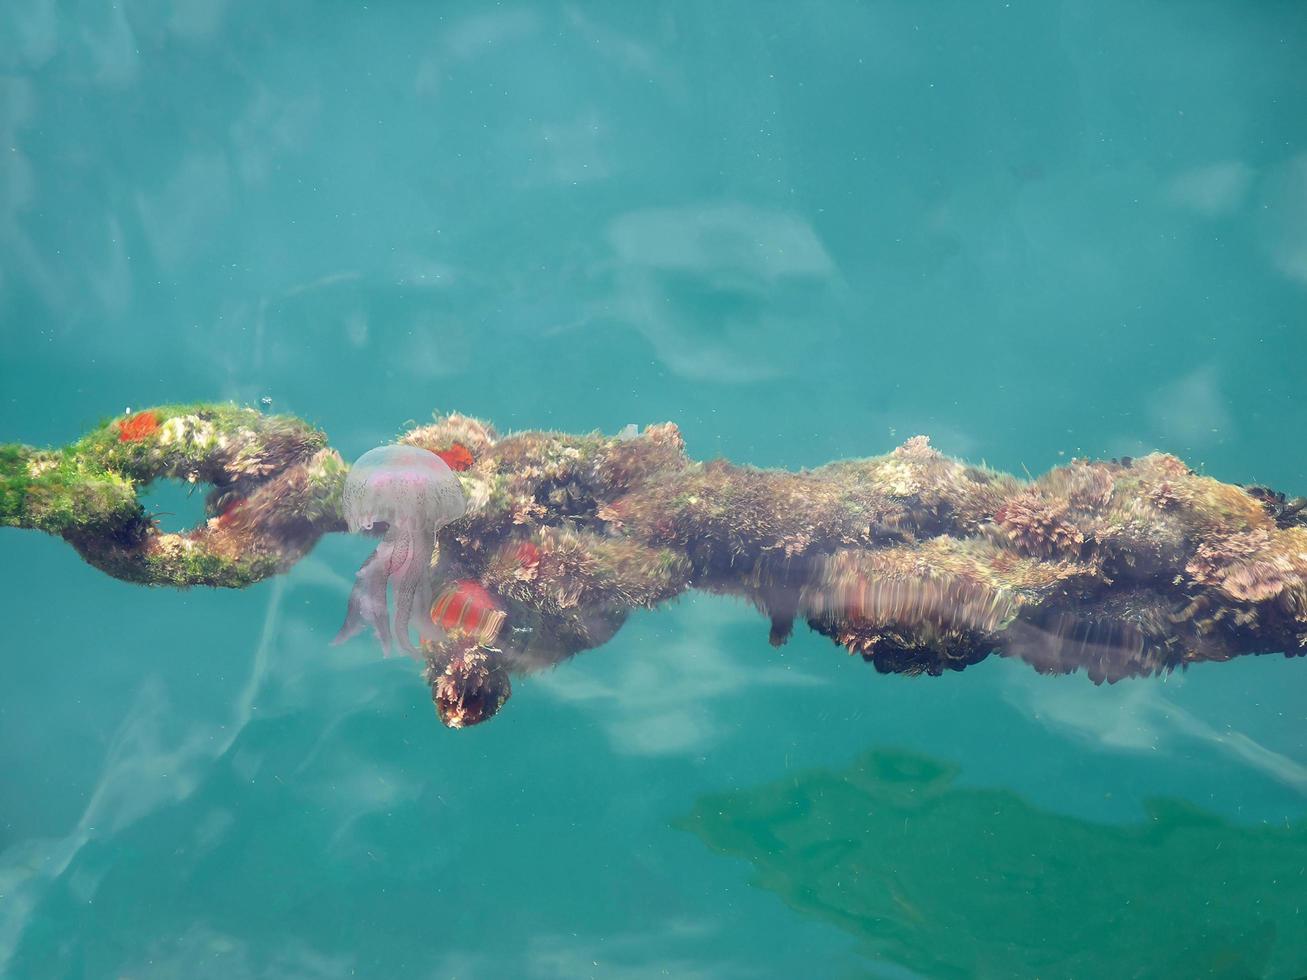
1031 231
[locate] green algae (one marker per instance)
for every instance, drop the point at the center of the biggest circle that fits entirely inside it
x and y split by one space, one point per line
87 492
62 490
955 881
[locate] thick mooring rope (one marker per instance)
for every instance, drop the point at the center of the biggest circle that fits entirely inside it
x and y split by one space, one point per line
917 562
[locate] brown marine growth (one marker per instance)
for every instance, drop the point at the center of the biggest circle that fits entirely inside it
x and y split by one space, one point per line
917 562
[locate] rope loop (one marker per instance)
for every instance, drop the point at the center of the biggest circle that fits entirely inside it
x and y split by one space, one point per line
274 490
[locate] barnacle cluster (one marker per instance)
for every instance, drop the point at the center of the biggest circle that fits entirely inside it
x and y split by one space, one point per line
917 562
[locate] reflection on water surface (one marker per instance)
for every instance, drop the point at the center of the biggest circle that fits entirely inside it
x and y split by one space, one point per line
956 881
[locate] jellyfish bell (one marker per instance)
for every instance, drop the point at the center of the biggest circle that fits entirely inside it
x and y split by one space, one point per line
402 486
406 495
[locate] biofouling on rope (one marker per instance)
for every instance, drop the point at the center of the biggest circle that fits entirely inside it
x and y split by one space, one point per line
516 552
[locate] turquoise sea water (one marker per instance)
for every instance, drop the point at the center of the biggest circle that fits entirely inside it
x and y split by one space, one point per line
803 232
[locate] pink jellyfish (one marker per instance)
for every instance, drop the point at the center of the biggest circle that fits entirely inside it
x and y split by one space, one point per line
407 495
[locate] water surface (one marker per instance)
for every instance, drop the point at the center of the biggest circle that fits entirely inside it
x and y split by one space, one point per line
1032 231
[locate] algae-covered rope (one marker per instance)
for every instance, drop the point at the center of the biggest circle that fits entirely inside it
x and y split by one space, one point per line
918 562
274 491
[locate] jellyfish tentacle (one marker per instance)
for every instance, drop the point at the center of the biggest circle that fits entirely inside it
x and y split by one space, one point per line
377 611
401 556
401 549
367 599
406 576
428 631
354 618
